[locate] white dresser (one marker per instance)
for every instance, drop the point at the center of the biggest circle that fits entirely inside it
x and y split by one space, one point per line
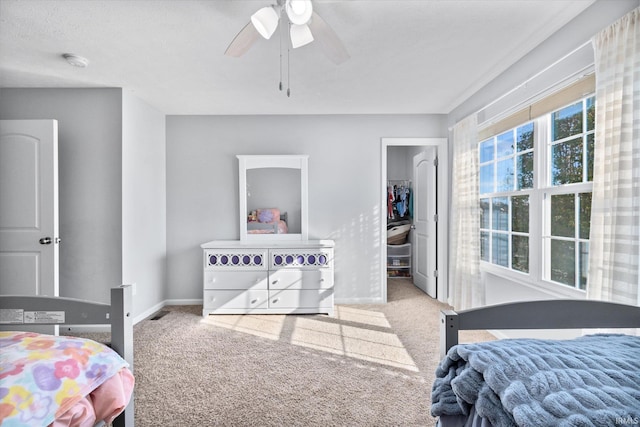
263 277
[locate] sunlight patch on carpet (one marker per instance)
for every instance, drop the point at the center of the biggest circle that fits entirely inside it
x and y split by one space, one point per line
356 334
351 341
367 317
266 326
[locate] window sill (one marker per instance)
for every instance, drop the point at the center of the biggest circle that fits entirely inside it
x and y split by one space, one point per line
554 290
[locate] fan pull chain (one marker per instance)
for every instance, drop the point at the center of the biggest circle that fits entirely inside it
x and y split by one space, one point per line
280 85
288 73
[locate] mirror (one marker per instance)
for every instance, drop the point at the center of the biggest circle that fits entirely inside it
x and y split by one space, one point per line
273 197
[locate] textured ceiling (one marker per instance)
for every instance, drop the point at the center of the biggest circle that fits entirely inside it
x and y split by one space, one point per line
407 56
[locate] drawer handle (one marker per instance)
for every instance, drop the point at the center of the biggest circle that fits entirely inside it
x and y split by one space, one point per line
276 300
275 281
253 301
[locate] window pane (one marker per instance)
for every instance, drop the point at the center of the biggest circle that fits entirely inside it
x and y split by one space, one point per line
520 253
525 137
486 179
567 122
563 215
520 214
525 171
504 178
590 148
501 249
484 246
505 144
567 162
563 262
584 265
484 213
486 150
500 213
591 113
585 215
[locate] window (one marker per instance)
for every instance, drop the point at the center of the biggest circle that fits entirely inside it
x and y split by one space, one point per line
569 194
506 168
535 195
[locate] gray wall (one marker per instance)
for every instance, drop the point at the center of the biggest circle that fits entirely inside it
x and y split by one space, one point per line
144 219
344 181
112 189
90 181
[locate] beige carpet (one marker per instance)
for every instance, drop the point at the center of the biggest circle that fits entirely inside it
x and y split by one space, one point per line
369 365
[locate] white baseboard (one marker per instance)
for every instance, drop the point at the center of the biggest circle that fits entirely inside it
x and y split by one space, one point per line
183 302
149 312
358 301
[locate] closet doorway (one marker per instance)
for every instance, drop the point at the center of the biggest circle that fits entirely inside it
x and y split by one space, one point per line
421 165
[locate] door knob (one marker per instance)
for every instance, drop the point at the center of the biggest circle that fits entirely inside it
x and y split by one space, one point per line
45 241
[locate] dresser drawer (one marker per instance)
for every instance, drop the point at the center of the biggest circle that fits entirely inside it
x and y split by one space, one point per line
235 279
235 259
301 279
235 299
306 298
302 259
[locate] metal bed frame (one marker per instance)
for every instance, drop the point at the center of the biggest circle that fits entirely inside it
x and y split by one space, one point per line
544 314
79 312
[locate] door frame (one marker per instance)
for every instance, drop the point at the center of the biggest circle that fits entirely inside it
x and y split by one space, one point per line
441 145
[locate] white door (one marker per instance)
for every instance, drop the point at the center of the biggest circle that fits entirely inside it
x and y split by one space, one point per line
424 221
29 207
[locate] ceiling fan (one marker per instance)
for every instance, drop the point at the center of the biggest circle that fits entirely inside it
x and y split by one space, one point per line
305 26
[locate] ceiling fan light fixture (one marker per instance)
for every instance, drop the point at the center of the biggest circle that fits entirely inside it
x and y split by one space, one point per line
265 21
300 35
299 11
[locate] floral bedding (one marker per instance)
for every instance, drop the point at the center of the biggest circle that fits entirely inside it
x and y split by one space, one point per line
44 376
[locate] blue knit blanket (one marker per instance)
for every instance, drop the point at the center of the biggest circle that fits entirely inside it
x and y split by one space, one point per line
589 381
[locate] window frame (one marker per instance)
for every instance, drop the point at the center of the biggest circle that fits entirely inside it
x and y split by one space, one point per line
539 275
515 191
549 190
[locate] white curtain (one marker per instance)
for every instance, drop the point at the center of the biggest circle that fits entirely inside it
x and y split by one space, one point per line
465 286
614 254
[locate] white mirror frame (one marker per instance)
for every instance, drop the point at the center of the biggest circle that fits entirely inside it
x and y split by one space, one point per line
247 162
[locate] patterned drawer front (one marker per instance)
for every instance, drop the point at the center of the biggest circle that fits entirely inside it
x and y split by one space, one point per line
300 258
235 279
235 259
301 279
311 298
235 299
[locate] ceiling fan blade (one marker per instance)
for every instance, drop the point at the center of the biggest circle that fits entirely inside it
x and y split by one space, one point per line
328 39
243 41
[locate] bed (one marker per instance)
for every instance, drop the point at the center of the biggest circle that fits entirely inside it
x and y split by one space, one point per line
57 380
593 380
